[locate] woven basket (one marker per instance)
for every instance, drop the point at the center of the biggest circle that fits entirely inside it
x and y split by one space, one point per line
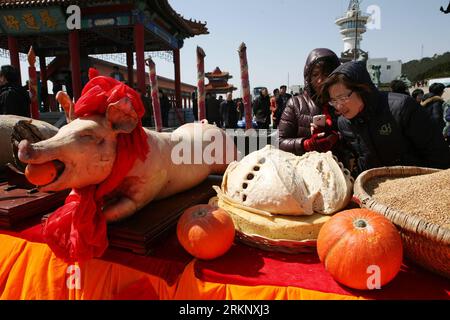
283 246
424 242
263 243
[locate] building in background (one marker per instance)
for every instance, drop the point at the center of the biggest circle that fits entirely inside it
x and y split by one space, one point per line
389 70
353 25
218 82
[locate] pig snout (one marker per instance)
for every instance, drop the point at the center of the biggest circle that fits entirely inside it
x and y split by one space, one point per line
36 153
25 151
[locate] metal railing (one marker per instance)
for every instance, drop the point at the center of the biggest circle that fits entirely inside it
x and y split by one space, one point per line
119 58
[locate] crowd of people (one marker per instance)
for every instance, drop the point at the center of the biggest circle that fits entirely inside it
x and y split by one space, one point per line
266 109
224 113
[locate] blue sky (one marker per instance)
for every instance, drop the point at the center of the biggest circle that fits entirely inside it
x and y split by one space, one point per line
279 34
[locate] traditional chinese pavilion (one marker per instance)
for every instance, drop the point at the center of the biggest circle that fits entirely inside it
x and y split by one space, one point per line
107 27
218 82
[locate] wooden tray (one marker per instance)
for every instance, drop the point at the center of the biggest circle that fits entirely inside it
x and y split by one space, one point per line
284 246
19 204
143 230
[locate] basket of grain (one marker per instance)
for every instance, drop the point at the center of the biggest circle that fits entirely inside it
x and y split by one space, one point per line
417 201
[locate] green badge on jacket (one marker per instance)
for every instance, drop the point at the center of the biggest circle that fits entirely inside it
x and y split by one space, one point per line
386 130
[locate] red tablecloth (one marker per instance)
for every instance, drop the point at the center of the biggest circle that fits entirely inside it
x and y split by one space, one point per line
247 266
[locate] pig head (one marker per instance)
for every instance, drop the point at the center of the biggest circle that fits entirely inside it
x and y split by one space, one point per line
84 149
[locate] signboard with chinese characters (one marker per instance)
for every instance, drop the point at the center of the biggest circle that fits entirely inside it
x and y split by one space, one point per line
32 20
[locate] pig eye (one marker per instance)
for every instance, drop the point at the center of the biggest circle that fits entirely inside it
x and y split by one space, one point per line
87 137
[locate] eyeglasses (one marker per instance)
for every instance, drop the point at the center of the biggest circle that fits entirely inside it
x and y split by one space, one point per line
340 100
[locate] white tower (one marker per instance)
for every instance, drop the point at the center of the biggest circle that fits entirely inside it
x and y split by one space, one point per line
353 25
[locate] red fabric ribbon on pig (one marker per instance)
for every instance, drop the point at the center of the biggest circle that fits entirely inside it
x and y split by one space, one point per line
77 230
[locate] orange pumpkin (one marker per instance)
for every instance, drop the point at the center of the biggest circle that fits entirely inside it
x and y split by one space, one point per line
206 232
360 249
41 174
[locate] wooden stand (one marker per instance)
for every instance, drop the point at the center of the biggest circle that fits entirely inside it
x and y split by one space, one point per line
144 229
20 200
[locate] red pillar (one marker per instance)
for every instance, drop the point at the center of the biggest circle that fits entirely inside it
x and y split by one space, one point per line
139 48
130 70
153 79
32 86
44 88
14 54
176 61
74 51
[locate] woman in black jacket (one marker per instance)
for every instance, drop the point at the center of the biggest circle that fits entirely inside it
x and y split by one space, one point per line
295 134
383 129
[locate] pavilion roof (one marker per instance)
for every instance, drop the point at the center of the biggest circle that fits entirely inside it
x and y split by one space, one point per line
111 38
223 89
217 73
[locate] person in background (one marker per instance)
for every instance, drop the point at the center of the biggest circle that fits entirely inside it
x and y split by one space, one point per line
13 98
296 134
165 108
273 107
432 102
220 99
240 108
446 131
26 87
282 101
399 86
194 105
418 94
382 128
261 109
213 110
229 112
116 74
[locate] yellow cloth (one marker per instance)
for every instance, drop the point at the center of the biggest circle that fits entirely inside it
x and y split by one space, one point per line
30 270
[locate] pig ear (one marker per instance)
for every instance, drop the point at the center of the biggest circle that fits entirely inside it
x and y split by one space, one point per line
121 116
67 104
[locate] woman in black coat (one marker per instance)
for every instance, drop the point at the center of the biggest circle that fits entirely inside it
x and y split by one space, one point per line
382 129
295 133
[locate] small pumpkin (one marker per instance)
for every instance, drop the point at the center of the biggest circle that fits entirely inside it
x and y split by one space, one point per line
41 174
205 231
360 249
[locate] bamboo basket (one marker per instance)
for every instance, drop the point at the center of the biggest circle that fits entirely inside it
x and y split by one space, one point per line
424 242
263 243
